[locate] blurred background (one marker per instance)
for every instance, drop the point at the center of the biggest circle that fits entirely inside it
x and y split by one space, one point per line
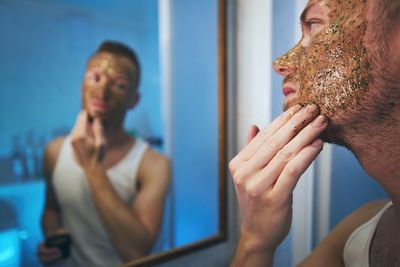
45 45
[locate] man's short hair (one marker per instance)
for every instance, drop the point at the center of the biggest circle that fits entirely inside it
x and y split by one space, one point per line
120 49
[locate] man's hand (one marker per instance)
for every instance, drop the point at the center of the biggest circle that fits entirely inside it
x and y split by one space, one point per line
88 141
50 255
265 174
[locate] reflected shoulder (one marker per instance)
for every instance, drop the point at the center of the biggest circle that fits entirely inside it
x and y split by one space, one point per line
155 165
51 154
54 145
329 252
156 159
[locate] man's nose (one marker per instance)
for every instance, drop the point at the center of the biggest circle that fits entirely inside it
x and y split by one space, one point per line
288 63
283 68
104 88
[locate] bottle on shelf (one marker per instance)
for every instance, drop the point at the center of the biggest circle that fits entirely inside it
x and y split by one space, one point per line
18 167
29 156
38 154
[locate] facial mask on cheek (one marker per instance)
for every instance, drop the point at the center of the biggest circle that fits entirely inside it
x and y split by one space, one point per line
333 70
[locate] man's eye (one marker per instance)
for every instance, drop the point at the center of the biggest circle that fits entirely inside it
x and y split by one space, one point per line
313 25
96 77
122 86
93 77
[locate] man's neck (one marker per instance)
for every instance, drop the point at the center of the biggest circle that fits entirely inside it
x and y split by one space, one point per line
116 135
377 149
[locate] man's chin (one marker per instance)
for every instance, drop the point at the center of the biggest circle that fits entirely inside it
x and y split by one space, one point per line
332 134
97 115
290 103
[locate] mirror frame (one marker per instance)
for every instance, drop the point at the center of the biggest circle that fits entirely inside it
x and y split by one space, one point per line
221 236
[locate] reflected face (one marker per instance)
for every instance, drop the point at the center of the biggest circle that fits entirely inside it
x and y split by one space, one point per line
108 87
329 66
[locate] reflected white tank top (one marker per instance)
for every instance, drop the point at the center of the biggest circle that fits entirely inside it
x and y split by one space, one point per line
91 246
356 250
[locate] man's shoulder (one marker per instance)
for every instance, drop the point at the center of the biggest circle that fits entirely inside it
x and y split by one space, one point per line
332 246
51 155
366 212
358 217
155 159
155 167
54 146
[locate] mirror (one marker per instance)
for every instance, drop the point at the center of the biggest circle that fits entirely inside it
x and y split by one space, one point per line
181 112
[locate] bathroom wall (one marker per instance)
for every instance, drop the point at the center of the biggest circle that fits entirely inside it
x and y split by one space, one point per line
351 187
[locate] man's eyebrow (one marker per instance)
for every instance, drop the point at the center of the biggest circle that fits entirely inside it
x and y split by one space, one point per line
305 12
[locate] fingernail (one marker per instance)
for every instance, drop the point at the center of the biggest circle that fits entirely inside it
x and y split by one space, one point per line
313 109
319 121
317 143
293 110
297 107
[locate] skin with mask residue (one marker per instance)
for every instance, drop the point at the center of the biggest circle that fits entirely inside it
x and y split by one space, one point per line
332 69
108 87
347 63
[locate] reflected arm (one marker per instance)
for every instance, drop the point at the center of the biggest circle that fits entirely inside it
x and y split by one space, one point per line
133 230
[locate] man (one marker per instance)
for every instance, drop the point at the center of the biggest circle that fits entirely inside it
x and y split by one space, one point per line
105 188
341 85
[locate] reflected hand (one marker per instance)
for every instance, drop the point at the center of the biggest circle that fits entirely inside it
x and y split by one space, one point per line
88 141
267 170
50 255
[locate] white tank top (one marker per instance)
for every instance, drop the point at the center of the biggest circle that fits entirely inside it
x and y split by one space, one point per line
91 246
356 250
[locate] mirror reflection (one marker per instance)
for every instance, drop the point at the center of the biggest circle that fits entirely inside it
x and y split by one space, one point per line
105 189
63 106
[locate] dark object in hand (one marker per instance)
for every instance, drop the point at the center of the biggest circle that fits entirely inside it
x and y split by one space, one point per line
61 241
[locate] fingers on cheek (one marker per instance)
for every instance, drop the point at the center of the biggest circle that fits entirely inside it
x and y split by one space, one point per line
296 167
284 117
77 143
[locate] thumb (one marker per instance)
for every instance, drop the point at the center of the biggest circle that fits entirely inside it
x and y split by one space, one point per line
253 131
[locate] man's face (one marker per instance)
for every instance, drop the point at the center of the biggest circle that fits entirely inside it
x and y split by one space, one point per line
329 66
108 87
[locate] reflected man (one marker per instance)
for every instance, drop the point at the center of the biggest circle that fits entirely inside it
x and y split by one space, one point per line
105 188
342 85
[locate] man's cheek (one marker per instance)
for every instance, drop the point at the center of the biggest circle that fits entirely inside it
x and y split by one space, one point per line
86 100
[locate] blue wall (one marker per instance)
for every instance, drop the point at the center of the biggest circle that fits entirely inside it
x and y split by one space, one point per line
351 187
195 155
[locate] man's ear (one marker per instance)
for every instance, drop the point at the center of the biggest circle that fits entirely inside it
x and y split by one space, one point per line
134 100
